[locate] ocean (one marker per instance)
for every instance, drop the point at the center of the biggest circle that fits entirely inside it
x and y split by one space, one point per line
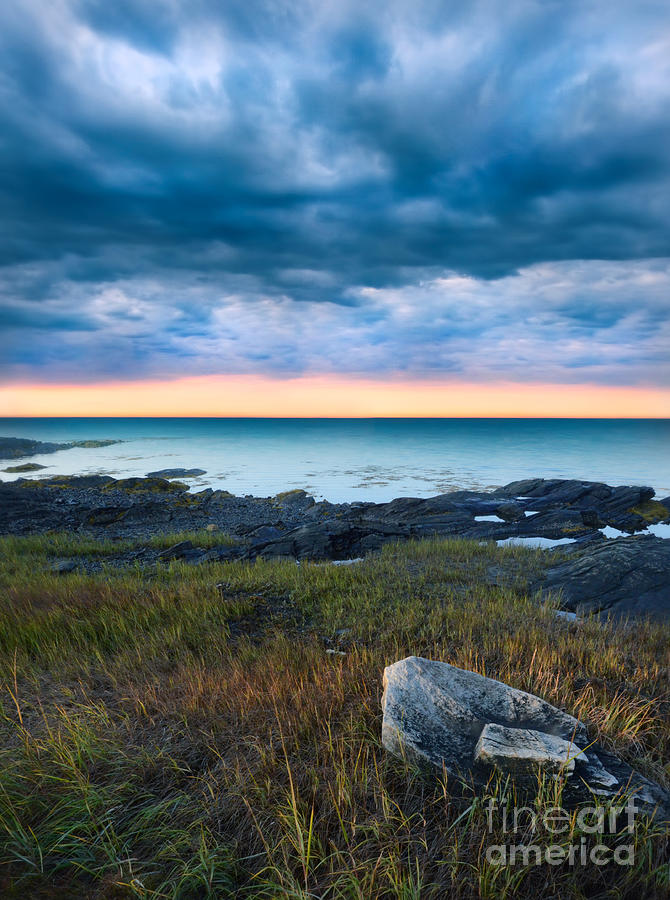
359 459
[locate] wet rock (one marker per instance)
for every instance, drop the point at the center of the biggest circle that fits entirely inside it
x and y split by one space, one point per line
613 504
554 523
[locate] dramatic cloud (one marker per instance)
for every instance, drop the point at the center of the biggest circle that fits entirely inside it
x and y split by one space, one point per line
478 190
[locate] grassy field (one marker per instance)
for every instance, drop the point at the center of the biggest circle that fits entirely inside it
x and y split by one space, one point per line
165 737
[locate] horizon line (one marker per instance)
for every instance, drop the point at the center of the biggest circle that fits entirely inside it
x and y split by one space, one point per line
332 397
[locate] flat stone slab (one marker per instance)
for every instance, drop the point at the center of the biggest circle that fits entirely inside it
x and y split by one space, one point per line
523 751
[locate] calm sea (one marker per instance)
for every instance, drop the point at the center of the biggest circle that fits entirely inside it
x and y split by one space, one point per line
361 459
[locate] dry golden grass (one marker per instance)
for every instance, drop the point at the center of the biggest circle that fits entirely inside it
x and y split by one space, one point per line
163 738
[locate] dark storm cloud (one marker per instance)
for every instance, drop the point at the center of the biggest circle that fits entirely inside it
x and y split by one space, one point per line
172 173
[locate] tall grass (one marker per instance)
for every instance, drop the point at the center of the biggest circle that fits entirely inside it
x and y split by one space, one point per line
181 732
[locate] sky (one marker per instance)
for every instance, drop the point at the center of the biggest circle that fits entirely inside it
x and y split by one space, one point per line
312 207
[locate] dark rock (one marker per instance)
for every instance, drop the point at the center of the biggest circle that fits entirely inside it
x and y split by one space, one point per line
611 503
105 515
148 485
63 566
136 513
264 534
26 467
553 523
329 540
93 444
177 551
591 519
13 448
510 512
622 577
148 512
296 499
176 473
78 482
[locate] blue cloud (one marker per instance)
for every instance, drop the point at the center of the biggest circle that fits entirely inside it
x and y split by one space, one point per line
164 165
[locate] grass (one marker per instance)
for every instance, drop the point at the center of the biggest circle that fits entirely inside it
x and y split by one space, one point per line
651 511
181 732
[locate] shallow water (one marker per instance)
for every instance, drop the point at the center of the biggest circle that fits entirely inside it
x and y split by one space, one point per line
534 542
359 459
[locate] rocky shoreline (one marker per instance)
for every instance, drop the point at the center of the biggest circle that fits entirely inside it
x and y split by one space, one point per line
622 577
19 448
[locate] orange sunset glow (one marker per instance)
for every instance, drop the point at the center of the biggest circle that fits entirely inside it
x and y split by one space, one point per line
331 397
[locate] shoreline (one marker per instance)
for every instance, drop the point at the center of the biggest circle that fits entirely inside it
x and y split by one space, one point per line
610 529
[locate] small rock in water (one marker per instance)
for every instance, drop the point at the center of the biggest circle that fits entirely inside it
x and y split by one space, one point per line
176 473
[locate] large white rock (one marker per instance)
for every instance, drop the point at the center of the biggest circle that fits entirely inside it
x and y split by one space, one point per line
436 712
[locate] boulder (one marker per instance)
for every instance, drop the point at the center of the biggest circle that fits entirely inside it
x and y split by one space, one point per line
510 512
451 718
64 566
182 550
618 578
263 534
436 712
296 499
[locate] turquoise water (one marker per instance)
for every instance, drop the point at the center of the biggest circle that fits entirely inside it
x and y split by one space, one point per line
361 459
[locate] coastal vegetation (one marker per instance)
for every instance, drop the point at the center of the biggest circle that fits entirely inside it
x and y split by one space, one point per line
182 731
